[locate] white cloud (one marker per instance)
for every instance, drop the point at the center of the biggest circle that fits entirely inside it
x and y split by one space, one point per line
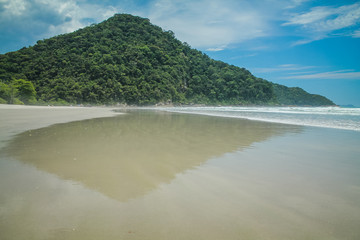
316 14
340 74
289 65
309 38
321 22
76 13
346 16
52 16
218 49
284 68
356 34
211 24
294 3
295 71
14 7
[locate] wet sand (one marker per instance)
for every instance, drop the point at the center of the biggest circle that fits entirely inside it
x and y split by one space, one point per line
156 175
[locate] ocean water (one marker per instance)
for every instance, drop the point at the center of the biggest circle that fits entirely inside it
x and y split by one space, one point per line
328 117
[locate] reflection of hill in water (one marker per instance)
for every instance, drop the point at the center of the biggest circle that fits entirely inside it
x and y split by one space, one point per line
127 156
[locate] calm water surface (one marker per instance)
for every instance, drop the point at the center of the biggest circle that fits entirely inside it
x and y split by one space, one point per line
158 175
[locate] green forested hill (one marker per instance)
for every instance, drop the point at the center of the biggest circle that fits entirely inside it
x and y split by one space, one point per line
297 96
126 59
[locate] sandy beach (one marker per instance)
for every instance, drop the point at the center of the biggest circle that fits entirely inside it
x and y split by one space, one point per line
160 175
15 119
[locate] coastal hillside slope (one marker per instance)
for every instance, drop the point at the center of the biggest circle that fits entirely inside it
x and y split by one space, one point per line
126 59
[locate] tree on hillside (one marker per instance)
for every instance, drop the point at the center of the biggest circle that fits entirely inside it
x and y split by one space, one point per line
18 91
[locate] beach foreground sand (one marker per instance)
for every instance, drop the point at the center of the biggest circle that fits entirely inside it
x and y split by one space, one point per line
158 175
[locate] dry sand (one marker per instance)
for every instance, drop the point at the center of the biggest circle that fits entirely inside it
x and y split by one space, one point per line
15 119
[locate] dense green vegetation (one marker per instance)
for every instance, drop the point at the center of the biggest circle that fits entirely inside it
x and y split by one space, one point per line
17 91
126 59
297 96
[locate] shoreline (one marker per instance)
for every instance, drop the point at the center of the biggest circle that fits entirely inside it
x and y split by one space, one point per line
15 119
281 115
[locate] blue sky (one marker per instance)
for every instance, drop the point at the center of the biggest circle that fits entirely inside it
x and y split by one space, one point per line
311 44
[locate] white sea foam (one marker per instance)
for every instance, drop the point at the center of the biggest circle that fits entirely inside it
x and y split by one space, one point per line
329 117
